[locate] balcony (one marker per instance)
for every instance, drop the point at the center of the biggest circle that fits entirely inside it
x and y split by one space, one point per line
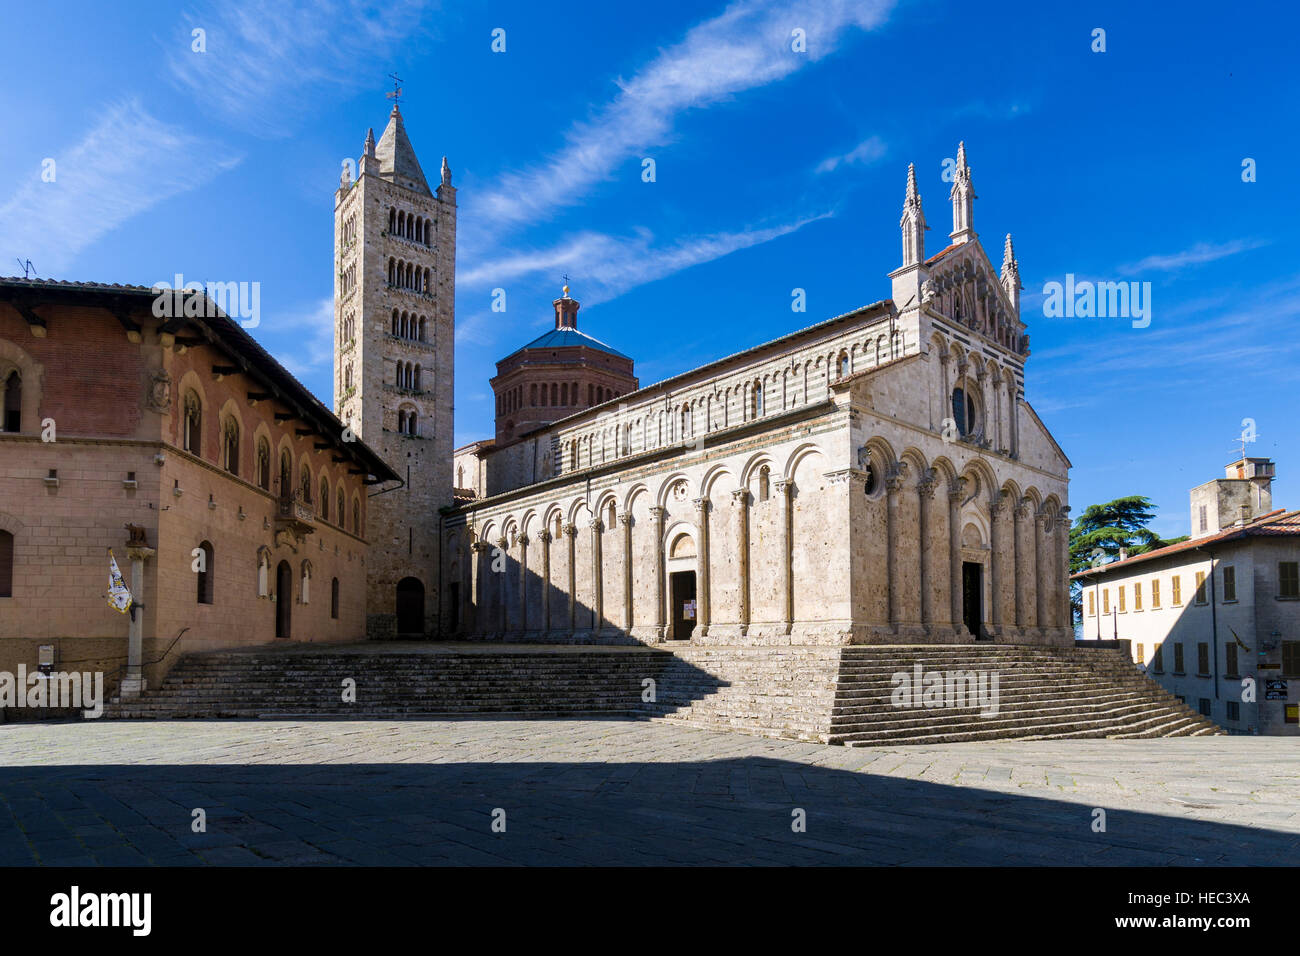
295 515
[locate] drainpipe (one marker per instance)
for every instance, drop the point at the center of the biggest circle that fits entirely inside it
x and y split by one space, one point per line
1214 628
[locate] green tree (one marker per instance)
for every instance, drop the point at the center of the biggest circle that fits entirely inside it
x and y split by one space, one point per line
1098 534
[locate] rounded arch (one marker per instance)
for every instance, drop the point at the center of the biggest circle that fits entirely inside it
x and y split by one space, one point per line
755 464
1035 498
986 483
797 456
31 376
713 475
668 483
636 491
1052 505
945 469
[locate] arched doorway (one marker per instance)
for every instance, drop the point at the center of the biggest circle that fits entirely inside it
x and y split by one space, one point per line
283 598
410 608
682 607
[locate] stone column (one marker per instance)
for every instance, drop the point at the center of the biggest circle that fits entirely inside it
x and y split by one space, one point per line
702 602
571 532
661 599
597 576
740 497
133 684
1044 567
956 492
546 580
784 489
523 583
1019 575
1063 616
924 492
625 520
945 406
997 507
479 586
893 487
502 544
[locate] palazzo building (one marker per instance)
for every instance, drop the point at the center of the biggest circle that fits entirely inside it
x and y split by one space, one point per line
878 477
234 502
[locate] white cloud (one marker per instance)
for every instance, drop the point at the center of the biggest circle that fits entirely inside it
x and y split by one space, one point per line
867 151
128 163
1198 254
616 264
306 339
259 58
746 46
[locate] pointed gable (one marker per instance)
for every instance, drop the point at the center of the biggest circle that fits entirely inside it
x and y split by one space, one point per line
396 155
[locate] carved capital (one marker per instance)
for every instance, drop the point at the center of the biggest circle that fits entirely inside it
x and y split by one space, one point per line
701 504
895 477
783 487
740 497
657 512
957 489
524 540
596 525
998 504
502 543
927 481
571 530
625 520
545 537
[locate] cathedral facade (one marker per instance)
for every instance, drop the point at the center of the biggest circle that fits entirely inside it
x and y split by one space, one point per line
878 477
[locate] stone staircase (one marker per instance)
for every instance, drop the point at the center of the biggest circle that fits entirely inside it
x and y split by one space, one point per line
1043 693
275 683
839 695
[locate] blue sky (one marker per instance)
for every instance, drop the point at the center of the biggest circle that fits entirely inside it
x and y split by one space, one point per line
775 170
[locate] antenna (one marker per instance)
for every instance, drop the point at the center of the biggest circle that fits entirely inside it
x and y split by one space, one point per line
28 268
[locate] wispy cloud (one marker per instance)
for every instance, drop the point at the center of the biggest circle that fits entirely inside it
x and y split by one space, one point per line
129 162
747 46
258 56
994 110
617 264
867 151
1198 254
305 340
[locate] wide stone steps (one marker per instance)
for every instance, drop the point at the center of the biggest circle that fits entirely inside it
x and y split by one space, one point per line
827 694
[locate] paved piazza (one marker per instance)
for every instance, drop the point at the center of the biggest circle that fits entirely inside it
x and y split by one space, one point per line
626 792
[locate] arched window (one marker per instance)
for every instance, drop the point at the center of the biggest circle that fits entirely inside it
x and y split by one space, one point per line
304 596
423 329
395 322
230 446
401 422
756 409
410 424
206 570
340 513
305 485
286 482
843 370
192 424
334 599
686 421
532 395
416 381
6 564
13 407
963 412
613 517
764 482
325 499
460 476
347 375
356 518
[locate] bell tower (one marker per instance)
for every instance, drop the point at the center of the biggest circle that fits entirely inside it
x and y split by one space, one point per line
394 315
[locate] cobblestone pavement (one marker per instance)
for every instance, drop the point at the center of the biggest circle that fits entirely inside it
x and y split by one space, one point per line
627 792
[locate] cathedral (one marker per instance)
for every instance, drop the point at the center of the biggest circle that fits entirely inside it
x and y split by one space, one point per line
878 477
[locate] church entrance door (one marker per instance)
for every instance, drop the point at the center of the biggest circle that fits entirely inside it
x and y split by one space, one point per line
410 608
972 597
283 598
683 605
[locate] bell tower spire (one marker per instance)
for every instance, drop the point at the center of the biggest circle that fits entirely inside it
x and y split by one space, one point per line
963 199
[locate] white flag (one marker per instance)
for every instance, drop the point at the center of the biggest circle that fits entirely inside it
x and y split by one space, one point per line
119 595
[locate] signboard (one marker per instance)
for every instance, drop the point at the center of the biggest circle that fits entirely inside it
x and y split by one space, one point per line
1275 690
688 610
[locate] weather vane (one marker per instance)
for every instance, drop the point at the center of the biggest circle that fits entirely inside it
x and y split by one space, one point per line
397 88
